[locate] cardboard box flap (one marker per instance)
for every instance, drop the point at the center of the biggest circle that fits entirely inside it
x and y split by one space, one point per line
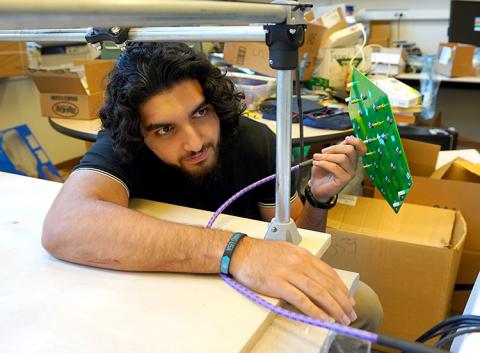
459 231
96 72
421 156
59 81
373 217
459 169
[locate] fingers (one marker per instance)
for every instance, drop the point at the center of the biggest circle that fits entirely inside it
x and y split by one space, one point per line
332 282
341 159
358 144
325 296
298 299
340 175
342 149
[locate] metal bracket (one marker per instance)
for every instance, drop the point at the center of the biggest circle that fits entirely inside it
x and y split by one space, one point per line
283 41
96 36
283 231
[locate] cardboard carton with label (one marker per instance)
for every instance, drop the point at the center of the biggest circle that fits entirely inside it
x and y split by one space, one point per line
74 93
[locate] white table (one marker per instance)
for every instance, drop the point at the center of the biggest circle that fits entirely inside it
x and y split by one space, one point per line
419 76
51 306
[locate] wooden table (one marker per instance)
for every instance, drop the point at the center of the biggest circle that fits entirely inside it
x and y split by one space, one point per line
51 306
87 130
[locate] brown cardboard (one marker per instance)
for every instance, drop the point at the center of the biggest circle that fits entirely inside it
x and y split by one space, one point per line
459 169
64 95
255 56
13 59
467 274
455 59
410 259
380 33
421 156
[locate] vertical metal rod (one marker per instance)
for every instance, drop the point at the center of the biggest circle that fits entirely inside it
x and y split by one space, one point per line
284 145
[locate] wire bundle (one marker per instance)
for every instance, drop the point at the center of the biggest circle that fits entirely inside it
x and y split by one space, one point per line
453 327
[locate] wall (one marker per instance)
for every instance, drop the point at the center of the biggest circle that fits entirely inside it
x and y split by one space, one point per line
425 33
20 104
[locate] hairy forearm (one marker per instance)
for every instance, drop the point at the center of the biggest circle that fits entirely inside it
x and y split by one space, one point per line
312 218
103 234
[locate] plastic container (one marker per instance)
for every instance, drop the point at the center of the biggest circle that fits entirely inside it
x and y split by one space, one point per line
255 87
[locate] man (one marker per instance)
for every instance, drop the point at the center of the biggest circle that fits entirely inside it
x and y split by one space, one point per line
173 133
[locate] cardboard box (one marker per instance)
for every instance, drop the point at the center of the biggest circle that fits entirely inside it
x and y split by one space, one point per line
255 56
421 156
332 65
399 94
467 273
410 259
76 93
380 33
389 61
13 59
455 59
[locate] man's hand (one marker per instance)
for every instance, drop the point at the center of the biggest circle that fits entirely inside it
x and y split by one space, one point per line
335 167
283 270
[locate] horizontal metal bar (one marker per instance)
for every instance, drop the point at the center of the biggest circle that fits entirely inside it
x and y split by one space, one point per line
166 34
18 14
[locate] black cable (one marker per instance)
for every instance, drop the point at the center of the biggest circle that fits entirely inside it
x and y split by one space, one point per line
451 336
450 322
406 346
300 121
448 331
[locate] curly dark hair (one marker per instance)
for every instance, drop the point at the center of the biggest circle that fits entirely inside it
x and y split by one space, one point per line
147 69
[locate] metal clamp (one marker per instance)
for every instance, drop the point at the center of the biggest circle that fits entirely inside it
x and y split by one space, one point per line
96 36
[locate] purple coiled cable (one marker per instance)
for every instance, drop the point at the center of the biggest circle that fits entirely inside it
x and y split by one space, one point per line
344 330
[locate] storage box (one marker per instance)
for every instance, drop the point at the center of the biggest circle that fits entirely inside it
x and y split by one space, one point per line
13 59
332 66
454 186
455 59
21 153
399 94
75 93
380 33
421 156
255 56
388 61
255 87
410 259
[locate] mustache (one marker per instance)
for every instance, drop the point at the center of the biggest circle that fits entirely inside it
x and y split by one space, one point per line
204 147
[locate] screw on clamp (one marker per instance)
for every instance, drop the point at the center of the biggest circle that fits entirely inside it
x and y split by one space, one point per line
118 35
283 41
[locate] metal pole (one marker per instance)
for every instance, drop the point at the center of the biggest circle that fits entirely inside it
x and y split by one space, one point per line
284 145
18 14
190 34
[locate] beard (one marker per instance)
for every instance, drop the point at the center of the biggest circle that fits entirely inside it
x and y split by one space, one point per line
204 175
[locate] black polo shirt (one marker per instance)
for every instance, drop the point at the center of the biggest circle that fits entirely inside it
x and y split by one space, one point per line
246 158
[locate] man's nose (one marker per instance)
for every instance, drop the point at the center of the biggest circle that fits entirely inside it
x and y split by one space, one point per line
193 141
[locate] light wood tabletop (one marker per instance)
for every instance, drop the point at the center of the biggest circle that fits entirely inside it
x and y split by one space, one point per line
51 306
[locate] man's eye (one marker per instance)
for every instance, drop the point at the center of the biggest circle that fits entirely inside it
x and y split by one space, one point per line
201 112
165 130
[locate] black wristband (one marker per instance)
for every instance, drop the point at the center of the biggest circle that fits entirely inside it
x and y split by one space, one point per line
315 203
227 254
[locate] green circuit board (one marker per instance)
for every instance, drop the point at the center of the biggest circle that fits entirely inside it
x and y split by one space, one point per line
374 123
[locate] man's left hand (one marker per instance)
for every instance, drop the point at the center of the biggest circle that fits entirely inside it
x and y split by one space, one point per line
335 167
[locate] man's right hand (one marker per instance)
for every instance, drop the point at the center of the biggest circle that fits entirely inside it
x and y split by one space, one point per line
283 270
